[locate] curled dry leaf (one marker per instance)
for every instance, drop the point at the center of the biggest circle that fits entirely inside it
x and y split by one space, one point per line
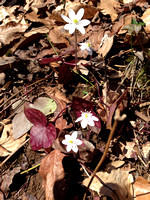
7 142
9 33
117 183
108 8
52 172
107 44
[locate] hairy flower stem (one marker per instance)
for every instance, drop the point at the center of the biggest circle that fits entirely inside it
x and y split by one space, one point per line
76 60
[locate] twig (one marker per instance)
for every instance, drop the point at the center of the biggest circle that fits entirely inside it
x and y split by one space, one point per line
117 119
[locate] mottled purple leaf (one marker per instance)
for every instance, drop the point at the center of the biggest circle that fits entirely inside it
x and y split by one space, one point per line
35 116
42 136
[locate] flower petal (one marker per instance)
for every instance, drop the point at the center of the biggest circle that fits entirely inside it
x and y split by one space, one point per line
72 14
67 137
84 22
83 46
75 148
95 118
84 123
71 28
68 148
91 123
66 19
67 27
79 119
65 142
78 142
81 28
74 135
80 14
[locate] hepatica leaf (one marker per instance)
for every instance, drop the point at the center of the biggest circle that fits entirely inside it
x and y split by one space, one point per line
35 116
42 134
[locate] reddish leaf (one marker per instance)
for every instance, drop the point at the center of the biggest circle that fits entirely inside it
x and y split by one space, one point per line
42 136
35 116
80 104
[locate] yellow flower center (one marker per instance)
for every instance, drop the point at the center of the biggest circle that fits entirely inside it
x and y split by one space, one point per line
88 44
86 115
71 141
75 21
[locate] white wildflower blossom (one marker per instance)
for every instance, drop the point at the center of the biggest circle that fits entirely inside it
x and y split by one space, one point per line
74 21
72 142
87 118
87 46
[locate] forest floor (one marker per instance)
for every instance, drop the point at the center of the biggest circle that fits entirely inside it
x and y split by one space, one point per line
49 78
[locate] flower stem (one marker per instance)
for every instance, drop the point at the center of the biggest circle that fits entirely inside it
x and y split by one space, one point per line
75 34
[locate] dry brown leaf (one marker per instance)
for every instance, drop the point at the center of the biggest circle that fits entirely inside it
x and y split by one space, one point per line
34 31
9 33
108 8
7 142
56 37
146 19
6 14
146 150
57 93
52 172
118 180
106 46
141 189
7 178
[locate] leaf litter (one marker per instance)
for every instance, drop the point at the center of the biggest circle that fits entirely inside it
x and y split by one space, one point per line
47 82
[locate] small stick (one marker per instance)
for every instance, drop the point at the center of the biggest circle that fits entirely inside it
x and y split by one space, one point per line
117 119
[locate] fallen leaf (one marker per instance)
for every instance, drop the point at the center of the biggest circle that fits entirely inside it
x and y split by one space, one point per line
7 142
118 180
52 172
106 46
141 189
9 33
57 39
146 19
108 8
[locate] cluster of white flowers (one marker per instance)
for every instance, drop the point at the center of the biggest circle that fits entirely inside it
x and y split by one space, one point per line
87 118
71 141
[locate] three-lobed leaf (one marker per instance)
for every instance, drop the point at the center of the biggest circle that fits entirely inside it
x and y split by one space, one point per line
42 134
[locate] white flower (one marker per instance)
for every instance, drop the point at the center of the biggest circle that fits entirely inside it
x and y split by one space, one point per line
87 118
72 142
87 46
74 21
